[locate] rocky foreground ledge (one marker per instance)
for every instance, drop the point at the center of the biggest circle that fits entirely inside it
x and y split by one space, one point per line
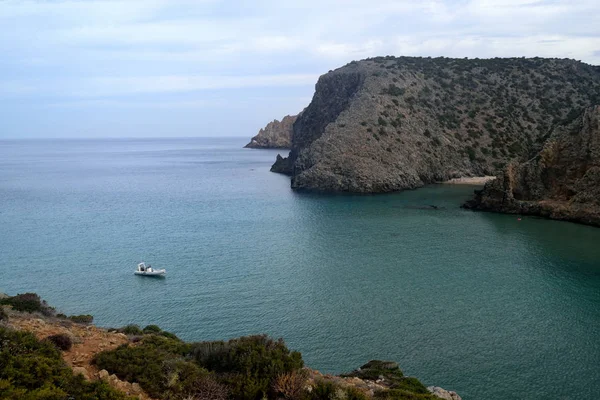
561 182
70 359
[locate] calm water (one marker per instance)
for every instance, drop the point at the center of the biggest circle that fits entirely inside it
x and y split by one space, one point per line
492 307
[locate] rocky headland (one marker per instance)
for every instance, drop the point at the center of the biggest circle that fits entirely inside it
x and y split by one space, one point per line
49 355
387 124
561 182
276 135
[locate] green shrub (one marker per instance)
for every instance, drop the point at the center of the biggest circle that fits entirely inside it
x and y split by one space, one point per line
353 393
61 341
411 384
3 314
399 394
157 363
375 369
393 90
169 335
471 153
323 390
247 365
82 319
131 330
28 302
152 329
34 370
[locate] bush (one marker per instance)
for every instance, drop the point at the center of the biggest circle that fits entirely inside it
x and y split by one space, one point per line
156 363
82 319
28 302
152 329
376 368
353 393
393 90
398 394
471 152
131 330
61 341
169 335
34 370
411 384
324 390
248 365
3 314
289 385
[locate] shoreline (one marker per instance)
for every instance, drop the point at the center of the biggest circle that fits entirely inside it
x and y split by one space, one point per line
470 180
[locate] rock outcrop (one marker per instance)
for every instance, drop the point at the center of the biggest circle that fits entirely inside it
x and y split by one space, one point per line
561 182
443 393
388 124
276 135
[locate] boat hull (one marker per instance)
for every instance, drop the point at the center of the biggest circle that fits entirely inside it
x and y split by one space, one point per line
153 273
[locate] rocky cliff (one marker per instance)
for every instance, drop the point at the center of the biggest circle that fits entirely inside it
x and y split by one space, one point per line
561 182
276 135
388 124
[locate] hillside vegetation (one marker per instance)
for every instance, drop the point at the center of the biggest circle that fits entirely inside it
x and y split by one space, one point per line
387 123
150 363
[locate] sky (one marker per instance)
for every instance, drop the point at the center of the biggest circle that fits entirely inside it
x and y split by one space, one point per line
186 68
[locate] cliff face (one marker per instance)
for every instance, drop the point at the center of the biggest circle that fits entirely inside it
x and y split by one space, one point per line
276 135
388 124
561 182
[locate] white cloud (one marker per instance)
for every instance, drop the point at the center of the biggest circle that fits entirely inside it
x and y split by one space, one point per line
125 86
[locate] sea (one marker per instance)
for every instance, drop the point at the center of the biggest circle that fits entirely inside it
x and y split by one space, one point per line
492 306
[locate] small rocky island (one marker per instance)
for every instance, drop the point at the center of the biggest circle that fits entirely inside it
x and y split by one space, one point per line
46 355
276 135
561 182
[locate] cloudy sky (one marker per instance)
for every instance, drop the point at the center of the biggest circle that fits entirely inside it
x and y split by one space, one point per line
148 68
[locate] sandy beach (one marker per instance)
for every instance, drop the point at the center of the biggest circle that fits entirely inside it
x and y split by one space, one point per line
473 180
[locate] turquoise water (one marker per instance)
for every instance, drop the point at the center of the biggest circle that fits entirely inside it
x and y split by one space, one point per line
484 304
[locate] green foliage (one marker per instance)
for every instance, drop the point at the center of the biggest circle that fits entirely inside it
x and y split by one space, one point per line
131 330
471 153
247 365
3 314
328 390
393 90
353 393
323 390
381 121
410 384
374 369
152 329
82 319
61 341
399 394
34 370
28 302
157 363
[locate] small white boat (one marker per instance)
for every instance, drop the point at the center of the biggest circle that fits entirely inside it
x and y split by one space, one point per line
147 270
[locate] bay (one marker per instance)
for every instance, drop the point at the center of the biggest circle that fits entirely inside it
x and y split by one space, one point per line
483 304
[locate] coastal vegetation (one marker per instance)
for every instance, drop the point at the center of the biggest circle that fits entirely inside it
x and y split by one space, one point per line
165 367
31 369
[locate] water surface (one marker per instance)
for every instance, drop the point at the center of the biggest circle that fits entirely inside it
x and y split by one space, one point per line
484 304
